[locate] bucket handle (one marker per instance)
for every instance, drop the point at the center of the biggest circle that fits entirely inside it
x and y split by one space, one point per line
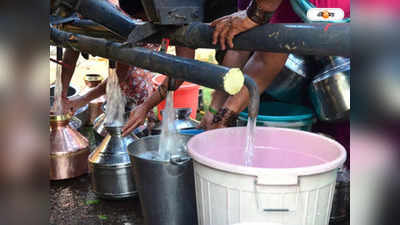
179 160
274 180
277 180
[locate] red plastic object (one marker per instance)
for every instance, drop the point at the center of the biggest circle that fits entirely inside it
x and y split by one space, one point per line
187 96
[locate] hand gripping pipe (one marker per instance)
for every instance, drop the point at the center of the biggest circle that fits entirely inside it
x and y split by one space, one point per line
230 80
304 39
298 38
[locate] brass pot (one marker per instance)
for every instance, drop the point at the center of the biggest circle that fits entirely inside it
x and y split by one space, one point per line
92 80
95 106
69 150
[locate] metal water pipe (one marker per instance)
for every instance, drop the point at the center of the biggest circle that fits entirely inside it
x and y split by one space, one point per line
229 80
298 38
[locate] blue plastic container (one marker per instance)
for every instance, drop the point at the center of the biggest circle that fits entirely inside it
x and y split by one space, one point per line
277 114
191 131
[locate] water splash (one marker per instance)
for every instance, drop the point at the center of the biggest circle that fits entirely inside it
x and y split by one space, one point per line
57 104
250 141
168 139
115 101
155 155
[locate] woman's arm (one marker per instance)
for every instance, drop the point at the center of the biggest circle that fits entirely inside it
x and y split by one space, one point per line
162 90
70 58
77 102
227 27
138 116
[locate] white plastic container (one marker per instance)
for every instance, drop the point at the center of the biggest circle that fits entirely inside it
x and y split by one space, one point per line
292 180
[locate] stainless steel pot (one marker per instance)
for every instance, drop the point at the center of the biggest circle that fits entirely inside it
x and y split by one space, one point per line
290 84
100 130
99 125
166 188
82 114
110 167
330 90
75 123
182 121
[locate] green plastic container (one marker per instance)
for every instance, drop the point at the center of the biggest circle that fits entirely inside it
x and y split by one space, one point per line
277 114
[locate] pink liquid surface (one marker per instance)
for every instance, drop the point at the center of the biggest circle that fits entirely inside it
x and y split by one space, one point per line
265 157
273 148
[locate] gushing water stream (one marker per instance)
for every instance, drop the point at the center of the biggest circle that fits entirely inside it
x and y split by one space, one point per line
250 141
168 139
115 101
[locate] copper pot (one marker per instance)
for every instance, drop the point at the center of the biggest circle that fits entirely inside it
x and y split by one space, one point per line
95 106
69 150
92 80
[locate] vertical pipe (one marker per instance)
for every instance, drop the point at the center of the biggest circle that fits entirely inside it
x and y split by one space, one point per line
254 96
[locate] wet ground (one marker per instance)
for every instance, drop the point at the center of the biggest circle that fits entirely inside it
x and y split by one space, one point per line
73 203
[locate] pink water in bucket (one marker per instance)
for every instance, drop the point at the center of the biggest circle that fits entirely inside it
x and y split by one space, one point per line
275 148
291 179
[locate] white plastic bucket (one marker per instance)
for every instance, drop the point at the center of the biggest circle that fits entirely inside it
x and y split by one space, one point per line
292 181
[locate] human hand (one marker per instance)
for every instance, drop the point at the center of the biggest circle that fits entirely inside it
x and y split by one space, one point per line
224 118
71 105
206 121
227 27
136 118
